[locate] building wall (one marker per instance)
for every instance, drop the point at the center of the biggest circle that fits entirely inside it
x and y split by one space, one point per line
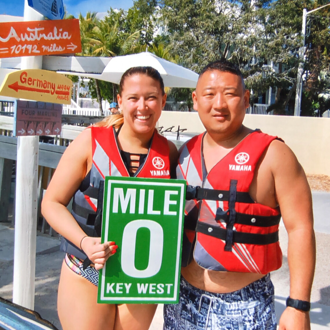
308 137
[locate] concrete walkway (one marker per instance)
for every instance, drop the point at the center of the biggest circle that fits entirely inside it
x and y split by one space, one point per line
49 260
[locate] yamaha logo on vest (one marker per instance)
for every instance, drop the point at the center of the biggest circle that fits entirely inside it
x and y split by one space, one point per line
159 164
241 159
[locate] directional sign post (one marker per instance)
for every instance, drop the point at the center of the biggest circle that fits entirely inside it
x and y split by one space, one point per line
145 219
52 9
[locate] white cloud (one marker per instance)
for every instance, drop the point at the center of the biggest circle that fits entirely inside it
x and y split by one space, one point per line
101 15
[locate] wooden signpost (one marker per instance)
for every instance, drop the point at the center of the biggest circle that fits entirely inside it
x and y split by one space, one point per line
145 219
38 85
36 38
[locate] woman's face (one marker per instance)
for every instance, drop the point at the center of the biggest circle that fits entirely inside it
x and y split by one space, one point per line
141 102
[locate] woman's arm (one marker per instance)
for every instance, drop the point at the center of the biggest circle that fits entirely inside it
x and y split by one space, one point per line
71 170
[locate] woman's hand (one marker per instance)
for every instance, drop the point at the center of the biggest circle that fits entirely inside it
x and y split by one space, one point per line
98 253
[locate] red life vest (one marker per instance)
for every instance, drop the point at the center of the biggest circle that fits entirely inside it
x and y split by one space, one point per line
225 230
107 161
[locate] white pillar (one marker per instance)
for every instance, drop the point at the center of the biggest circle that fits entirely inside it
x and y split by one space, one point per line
299 87
25 221
270 90
26 200
31 62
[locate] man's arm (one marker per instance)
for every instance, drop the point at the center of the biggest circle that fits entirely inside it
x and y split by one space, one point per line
294 198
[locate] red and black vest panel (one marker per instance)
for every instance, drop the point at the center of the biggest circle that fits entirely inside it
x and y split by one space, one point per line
107 161
225 230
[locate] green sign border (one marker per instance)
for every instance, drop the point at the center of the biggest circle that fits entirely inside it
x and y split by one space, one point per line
106 206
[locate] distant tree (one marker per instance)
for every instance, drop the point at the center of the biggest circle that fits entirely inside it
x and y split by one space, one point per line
106 37
67 15
142 17
317 64
262 37
163 51
87 25
182 95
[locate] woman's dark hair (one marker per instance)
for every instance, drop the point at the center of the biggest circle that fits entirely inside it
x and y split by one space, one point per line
147 70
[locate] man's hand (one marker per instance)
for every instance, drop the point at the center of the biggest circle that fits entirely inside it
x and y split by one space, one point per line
293 319
98 253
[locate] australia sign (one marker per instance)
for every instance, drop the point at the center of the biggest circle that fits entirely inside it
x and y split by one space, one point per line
38 85
144 217
39 38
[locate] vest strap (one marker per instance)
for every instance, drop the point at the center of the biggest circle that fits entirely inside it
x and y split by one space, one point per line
84 213
248 219
94 220
232 215
199 193
238 237
90 231
98 218
190 220
91 192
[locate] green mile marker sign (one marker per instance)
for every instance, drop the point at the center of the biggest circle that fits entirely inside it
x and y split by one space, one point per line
145 219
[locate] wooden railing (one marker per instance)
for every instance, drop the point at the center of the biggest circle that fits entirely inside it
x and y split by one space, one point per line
51 149
49 156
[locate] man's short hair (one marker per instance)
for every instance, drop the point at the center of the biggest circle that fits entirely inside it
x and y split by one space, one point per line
223 66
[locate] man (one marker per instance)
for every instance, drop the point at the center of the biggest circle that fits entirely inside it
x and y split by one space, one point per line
114 108
246 181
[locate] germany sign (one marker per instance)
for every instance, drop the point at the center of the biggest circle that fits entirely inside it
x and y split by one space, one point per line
144 217
37 85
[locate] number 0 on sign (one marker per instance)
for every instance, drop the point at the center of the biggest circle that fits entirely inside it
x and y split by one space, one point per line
145 219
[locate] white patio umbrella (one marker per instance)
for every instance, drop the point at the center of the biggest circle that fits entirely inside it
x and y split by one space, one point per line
173 74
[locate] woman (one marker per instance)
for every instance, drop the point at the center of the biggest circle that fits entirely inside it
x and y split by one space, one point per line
121 145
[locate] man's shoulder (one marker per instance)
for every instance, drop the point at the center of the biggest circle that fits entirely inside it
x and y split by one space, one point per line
280 157
191 142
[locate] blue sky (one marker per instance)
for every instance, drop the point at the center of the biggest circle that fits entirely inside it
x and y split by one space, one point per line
74 7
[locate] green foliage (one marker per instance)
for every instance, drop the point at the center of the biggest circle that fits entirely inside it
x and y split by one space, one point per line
106 89
107 37
74 79
317 56
141 17
182 94
263 40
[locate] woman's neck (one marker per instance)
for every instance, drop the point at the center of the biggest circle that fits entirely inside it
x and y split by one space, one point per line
131 142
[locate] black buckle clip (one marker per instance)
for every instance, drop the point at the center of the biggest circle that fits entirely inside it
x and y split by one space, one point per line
191 192
221 214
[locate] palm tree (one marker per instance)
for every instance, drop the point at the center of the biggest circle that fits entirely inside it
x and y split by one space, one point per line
163 51
107 39
87 25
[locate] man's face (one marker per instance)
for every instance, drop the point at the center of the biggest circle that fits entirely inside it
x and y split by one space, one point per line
221 101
